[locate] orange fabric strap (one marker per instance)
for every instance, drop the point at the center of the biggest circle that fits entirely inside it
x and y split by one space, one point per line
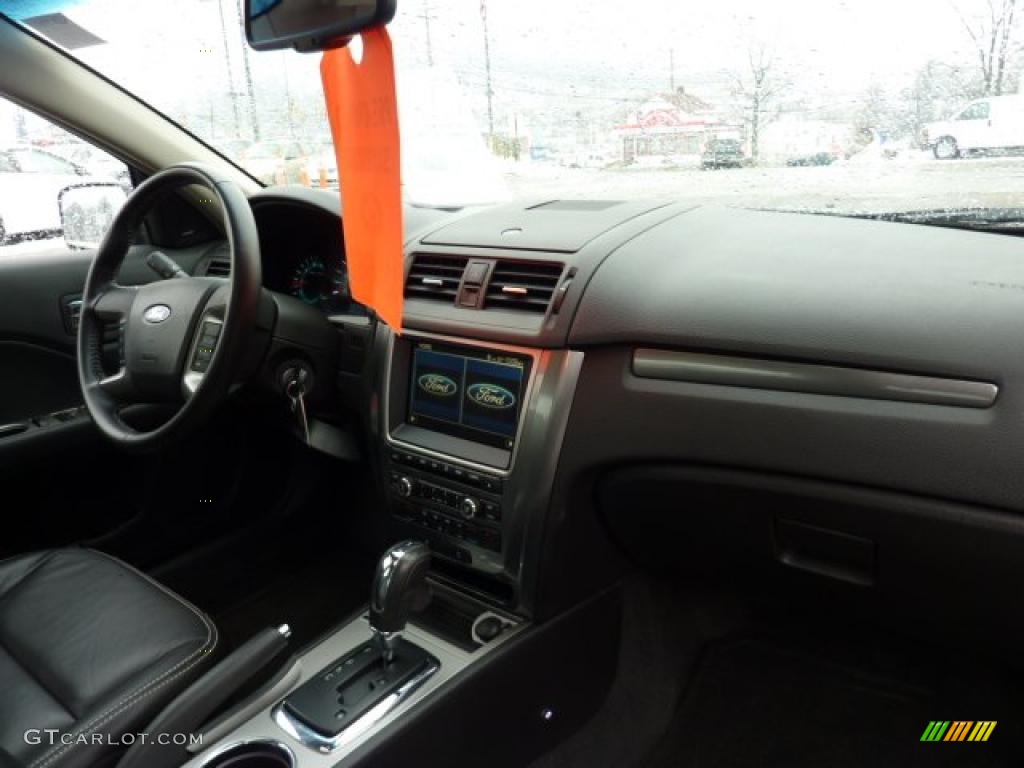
363 112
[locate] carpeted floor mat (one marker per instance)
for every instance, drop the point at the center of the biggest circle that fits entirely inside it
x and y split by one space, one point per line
837 702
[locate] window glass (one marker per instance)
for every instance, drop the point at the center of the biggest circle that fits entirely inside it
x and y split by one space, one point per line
977 111
38 162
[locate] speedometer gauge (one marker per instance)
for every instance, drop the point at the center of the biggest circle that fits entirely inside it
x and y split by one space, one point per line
316 283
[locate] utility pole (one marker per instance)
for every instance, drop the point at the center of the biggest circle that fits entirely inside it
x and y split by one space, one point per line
250 88
672 70
230 71
487 64
427 16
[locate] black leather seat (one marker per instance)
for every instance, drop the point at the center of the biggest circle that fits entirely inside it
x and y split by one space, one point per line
92 648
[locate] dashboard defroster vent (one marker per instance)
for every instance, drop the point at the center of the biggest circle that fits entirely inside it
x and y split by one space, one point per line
522 285
432 276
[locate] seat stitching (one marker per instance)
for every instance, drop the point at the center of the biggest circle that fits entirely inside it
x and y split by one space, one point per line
117 709
145 690
130 700
152 582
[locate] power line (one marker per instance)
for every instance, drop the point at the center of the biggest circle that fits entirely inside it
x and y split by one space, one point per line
487 64
427 16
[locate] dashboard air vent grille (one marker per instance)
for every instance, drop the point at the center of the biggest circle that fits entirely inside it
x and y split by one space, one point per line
218 268
432 276
522 285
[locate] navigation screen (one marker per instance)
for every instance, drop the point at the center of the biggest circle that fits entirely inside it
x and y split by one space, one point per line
477 395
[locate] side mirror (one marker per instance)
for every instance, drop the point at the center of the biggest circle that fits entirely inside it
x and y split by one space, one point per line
311 25
87 211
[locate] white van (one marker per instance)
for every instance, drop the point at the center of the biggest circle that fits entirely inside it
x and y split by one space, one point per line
996 122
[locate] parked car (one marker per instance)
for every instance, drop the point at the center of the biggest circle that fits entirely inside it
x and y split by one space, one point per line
278 161
93 161
322 166
723 153
994 124
30 182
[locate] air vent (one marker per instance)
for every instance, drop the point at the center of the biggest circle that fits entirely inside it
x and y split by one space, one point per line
435 277
522 285
218 268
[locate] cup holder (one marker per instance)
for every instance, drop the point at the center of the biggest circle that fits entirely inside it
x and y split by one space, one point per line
253 754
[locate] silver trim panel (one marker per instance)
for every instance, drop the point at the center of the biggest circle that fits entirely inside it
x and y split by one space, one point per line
368 722
264 727
810 378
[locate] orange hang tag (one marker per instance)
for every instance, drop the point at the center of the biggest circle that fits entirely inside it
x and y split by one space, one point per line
363 112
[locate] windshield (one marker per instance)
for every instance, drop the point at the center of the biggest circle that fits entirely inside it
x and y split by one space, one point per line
859 108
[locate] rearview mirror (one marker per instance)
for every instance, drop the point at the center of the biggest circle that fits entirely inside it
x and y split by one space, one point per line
311 25
87 211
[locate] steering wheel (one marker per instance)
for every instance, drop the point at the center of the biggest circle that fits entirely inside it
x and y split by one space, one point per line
183 340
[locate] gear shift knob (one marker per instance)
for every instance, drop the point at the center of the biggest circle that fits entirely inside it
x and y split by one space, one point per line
399 587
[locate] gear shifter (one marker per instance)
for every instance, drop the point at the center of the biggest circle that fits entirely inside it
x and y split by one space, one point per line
399 587
377 674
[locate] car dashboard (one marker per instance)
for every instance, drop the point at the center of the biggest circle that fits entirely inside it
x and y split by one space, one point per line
581 385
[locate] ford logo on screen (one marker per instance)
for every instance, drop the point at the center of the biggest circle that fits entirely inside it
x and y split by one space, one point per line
491 396
437 385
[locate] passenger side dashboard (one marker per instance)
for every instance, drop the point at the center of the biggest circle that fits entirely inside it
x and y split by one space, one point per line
836 356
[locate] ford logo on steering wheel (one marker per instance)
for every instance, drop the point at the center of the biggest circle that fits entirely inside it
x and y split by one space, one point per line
157 313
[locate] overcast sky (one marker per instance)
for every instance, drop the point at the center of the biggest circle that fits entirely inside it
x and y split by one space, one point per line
550 55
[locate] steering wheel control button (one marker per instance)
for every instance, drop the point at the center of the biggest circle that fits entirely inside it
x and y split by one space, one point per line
205 345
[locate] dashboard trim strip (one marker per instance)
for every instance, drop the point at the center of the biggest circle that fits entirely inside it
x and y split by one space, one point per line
810 378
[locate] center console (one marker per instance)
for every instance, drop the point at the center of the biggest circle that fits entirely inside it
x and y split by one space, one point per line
470 438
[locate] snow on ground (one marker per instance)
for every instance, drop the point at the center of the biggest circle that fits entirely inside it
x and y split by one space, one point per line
32 246
913 181
868 184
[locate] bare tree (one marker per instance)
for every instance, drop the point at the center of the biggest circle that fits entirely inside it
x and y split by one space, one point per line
991 33
759 87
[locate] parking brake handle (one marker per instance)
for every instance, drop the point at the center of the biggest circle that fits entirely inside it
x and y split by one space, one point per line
187 713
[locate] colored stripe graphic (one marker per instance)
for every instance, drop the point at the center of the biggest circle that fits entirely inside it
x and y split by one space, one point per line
958 730
935 730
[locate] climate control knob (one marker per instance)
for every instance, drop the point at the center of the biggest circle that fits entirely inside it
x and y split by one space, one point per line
468 508
403 486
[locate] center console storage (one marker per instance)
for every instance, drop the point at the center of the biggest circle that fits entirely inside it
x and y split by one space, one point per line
252 754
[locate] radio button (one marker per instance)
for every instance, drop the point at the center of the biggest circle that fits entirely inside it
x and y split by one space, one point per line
404 487
468 508
491 510
491 484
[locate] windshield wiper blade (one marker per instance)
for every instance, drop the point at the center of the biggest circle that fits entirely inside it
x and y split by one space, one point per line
963 218
1007 220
